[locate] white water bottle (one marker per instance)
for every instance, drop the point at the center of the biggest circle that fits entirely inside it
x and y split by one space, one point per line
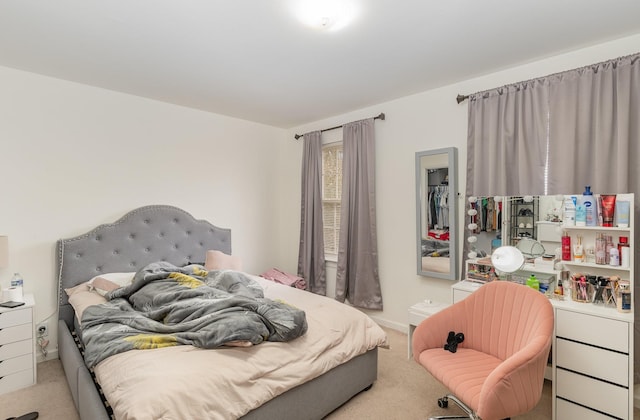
16 280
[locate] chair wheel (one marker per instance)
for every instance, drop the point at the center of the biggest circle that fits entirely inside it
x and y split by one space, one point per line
443 402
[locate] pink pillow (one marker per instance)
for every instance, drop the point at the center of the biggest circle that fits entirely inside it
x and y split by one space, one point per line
217 260
102 285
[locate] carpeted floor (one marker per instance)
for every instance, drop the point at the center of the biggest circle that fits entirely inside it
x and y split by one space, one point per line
403 391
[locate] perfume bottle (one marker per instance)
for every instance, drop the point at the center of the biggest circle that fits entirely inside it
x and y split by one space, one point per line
601 246
578 250
566 246
607 249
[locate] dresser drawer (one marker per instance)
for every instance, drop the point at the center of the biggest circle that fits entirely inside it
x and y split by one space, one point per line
601 396
15 317
16 364
595 330
566 410
17 333
16 380
603 364
17 348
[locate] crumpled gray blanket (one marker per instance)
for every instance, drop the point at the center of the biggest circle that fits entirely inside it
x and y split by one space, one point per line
167 305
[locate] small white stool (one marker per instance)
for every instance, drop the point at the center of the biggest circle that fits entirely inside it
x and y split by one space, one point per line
419 312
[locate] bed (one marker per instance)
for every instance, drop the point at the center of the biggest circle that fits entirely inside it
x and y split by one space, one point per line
435 255
165 233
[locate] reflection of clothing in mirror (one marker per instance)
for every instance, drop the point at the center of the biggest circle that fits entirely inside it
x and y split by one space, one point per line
489 215
438 205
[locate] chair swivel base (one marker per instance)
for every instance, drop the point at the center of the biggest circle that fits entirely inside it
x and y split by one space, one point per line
444 403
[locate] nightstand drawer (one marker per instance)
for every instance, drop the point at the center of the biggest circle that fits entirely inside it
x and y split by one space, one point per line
17 348
601 396
15 317
17 333
603 364
16 381
595 330
16 364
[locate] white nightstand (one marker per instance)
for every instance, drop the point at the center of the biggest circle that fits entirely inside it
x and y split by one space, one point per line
17 346
419 312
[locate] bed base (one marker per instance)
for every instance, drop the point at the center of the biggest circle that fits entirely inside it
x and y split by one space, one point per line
312 400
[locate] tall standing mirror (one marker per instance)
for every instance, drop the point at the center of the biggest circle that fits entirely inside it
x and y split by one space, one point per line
436 213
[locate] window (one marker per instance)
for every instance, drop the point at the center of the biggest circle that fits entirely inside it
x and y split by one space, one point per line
331 195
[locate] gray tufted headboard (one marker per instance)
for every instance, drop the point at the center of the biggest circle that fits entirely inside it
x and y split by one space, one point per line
144 235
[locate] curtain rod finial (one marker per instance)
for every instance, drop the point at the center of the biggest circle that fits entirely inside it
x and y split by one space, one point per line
461 98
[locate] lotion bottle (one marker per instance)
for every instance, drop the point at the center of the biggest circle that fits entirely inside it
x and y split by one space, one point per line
569 213
581 215
589 203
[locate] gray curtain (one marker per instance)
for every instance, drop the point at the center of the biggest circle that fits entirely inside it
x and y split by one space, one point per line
594 128
507 129
594 132
311 252
584 122
357 272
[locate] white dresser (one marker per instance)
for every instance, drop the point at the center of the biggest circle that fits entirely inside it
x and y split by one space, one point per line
593 362
17 346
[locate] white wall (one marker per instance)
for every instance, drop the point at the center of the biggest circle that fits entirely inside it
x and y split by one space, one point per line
428 120
74 156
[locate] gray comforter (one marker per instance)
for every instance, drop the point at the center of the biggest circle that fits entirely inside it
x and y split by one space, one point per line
168 305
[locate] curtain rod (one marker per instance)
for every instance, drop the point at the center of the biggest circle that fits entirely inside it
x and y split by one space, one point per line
377 117
632 57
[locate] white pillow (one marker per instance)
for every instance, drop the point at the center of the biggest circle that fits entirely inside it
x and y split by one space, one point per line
106 282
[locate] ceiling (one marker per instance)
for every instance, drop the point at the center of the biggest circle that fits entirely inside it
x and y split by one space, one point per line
252 59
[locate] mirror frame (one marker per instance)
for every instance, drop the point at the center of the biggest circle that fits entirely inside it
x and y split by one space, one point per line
452 162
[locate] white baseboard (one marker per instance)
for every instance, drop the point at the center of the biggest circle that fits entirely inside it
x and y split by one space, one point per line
390 324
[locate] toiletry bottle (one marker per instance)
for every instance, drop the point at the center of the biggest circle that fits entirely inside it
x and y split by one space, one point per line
533 282
569 212
623 301
608 209
624 250
591 216
566 246
607 248
578 250
16 280
622 213
614 257
601 247
581 215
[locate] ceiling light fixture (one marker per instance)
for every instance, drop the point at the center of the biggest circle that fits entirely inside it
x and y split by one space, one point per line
327 15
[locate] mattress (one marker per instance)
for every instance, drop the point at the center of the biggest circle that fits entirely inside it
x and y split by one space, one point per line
187 382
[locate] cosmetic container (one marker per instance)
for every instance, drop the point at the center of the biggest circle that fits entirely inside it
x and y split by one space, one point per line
590 208
622 213
601 247
566 247
623 301
578 250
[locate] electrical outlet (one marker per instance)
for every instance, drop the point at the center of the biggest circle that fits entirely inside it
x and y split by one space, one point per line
42 329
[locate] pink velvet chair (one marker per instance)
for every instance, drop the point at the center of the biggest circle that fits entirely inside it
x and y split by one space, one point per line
498 370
